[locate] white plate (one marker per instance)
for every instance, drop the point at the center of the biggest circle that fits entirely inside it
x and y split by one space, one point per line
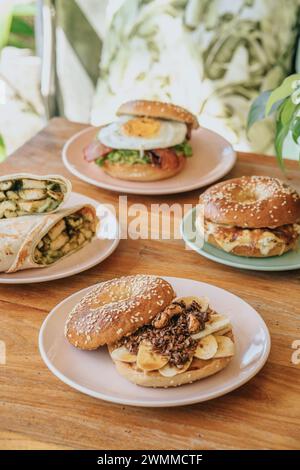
93 372
213 157
93 253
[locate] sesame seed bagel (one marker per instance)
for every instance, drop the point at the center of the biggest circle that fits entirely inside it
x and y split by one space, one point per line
199 369
116 308
251 202
142 172
157 109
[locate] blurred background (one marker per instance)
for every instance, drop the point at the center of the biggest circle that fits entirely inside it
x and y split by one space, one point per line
82 58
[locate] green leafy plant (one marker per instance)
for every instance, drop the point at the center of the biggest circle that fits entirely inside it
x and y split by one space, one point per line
284 103
17 25
22 26
5 25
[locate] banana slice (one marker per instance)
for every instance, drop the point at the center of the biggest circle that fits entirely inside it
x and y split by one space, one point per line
223 331
217 322
122 354
171 371
147 359
225 346
207 348
202 301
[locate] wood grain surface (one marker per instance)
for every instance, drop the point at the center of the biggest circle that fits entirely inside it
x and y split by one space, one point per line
37 411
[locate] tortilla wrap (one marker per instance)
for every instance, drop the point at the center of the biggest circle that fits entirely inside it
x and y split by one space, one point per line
26 194
19 237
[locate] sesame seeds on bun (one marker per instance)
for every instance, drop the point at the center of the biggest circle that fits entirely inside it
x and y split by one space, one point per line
251 202
154 339
116 308
157 109
149 142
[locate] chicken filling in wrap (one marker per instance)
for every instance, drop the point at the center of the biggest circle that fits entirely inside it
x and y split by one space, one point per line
66 236
25 196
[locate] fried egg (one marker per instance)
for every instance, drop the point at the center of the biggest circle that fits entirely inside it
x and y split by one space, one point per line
140 133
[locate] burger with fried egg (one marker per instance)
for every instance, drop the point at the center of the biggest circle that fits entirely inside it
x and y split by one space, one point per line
150 141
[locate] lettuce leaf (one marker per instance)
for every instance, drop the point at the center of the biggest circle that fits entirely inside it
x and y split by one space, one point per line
132 157
184 149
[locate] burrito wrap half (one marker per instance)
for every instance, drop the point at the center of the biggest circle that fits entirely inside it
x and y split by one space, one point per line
70 230
26 194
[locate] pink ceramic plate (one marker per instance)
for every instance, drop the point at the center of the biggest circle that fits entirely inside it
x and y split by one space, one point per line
93 372
93 253
213 157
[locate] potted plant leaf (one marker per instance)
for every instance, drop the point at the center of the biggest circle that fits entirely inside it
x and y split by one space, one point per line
284 103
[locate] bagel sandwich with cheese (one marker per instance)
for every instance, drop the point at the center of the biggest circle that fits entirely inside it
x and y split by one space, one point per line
253 216
154 338
149 141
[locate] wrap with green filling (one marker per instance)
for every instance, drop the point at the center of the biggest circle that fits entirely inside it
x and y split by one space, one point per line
38 241
26 194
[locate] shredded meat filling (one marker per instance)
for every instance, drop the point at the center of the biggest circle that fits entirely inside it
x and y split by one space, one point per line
174 339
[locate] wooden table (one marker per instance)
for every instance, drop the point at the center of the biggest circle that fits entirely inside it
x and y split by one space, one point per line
39 411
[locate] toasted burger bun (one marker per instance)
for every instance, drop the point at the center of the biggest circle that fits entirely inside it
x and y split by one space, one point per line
199 369
141 172
157 109
251 202
116 308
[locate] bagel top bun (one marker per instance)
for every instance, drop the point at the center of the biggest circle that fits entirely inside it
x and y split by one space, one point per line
251 202
157 109
116 308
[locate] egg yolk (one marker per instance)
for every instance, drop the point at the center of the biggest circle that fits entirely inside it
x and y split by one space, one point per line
141 127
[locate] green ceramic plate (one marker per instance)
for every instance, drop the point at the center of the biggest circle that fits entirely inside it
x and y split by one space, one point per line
285 262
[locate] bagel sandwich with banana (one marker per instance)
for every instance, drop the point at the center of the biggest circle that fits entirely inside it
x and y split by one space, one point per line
154 338
149 142
253 216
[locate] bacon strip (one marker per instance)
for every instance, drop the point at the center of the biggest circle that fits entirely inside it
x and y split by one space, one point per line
167 158
95 150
